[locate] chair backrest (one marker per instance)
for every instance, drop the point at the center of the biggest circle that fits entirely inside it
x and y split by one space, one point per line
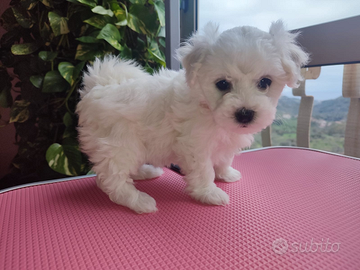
330 43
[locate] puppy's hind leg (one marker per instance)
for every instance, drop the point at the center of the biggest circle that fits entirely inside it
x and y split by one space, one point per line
127 195
121 190
115 180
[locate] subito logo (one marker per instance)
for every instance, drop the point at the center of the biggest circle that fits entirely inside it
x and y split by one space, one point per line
280 246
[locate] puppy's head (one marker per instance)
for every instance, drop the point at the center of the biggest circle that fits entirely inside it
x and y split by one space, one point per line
240 74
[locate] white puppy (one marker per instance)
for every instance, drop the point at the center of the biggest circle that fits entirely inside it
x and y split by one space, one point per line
198 118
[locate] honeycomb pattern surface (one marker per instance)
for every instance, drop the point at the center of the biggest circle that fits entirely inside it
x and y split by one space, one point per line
292 209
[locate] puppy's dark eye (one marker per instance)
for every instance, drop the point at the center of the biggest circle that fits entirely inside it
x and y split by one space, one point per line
223 85
264 83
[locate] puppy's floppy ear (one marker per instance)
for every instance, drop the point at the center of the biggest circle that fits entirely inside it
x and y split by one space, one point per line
192 53
293 56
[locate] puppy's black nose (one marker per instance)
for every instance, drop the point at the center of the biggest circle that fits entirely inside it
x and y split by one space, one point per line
244 116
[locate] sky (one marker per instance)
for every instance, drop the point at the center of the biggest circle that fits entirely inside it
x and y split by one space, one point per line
295 14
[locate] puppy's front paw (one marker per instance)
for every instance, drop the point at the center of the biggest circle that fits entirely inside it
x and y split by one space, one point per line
210 195
229 175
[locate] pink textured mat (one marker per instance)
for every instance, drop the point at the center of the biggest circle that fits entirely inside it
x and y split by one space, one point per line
293 209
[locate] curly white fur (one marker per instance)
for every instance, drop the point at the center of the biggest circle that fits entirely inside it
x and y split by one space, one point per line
128 118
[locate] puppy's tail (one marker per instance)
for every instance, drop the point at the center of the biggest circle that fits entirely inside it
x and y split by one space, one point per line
109 70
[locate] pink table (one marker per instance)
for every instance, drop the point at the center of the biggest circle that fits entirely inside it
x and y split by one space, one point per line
293 209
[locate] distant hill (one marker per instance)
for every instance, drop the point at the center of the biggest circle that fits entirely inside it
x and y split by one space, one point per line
328 110
289 106
332 110
327 126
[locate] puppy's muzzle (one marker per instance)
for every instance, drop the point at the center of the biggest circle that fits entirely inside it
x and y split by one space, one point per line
244 116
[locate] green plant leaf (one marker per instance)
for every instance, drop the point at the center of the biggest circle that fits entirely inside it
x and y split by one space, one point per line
160 10
122 23
69 72
72 151
141 20
54 82
99 21
78 69
19 111
148 69
22 17
153 49
89 3
121 13
28 4
46 33
162 42
141 2
47 56
24 49
126 53
66 70
37 80
112 35
70 130
67 120
161 32
102 11
58 159
87 52
47 3
88 39
140 45
58 24
136 24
